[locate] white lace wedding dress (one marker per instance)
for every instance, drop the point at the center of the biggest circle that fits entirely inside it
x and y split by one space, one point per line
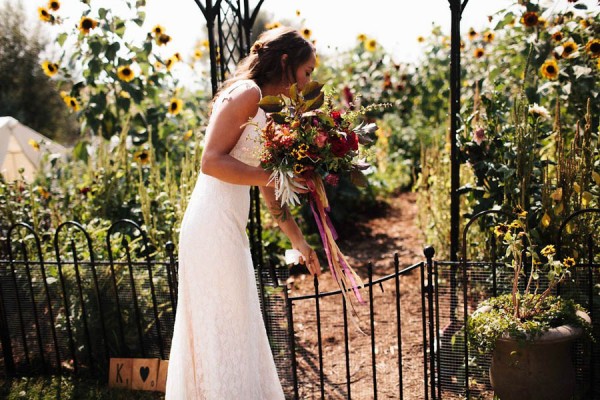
220 349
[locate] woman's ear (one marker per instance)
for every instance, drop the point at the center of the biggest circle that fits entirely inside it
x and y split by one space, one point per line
283 61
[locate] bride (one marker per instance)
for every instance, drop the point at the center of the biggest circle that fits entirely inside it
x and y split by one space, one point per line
220 349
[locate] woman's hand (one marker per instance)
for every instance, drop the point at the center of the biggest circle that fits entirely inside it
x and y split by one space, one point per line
309 257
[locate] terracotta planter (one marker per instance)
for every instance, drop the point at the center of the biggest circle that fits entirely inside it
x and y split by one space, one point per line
541 369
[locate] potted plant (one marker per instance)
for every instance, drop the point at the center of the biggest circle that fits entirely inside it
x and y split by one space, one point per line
529 331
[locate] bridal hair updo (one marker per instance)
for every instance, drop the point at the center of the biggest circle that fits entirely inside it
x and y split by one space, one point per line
263 65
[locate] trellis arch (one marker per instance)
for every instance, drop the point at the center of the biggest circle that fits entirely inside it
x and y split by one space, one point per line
229 24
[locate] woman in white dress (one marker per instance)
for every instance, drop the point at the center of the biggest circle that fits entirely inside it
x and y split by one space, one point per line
220 349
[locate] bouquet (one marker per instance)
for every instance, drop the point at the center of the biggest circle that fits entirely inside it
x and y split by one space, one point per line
306 136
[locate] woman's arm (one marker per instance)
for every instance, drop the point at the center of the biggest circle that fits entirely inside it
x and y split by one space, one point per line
222 134
290 228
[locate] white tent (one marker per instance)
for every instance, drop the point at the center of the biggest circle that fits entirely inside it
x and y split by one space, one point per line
22 147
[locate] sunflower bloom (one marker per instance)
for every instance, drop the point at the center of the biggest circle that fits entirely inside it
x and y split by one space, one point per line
501 230
420 39
188 135
86 24
205 43
125 73
371 45
361 38
548 250
306 33
158 30
489 37
593 48
175 106
557 36
50 68
530 19
472 34
569 48
142 157
72 103
569 262
54 5
163 39
479 52
197 54
297 13
170 62
550 69
44 15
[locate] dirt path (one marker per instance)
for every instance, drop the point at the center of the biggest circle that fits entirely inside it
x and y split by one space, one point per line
372 240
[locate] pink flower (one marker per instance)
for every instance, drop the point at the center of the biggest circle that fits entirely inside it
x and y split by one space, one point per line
332 179
321 139
479 136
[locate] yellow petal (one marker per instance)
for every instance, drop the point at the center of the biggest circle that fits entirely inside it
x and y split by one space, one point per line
586 198
596 177
557 195
576 187
569 229
546 220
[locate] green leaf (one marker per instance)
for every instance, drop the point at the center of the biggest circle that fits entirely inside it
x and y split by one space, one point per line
80 151
102 13
278 118
581 6
95 47
315 103
312 90
271 104
111 51
61 38
140 19
294 92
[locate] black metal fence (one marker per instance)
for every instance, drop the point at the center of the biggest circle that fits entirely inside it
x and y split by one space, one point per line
69 303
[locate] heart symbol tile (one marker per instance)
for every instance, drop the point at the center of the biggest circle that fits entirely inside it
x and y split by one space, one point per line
144 372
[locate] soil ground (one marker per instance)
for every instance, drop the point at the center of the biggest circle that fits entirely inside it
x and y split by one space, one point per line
374 240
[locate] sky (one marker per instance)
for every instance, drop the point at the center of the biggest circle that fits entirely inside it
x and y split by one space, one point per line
335 24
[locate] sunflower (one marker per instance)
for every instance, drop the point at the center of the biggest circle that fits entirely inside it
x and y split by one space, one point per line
163 39
548 250
550 69
420 39
361 38
479 52
72 103
371 45
297 13
530 19
177 56
50 68
197 54
569 48
489 37
569 262
125 73
593 47
188 135
500 230
54 5
170 62
158 30
142 157
44 15
557 36
175 106
306 33
472 34
205 43
542 22
86 23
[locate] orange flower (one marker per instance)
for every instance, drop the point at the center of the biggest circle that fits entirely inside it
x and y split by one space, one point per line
550 69
593 48
479 52
86 24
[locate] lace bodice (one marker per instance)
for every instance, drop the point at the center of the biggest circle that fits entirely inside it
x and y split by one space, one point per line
247 148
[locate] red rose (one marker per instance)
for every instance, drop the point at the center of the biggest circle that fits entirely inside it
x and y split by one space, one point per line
352 140
339 145
336 115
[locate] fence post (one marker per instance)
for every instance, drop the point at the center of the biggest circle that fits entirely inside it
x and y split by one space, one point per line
9 362
429 253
